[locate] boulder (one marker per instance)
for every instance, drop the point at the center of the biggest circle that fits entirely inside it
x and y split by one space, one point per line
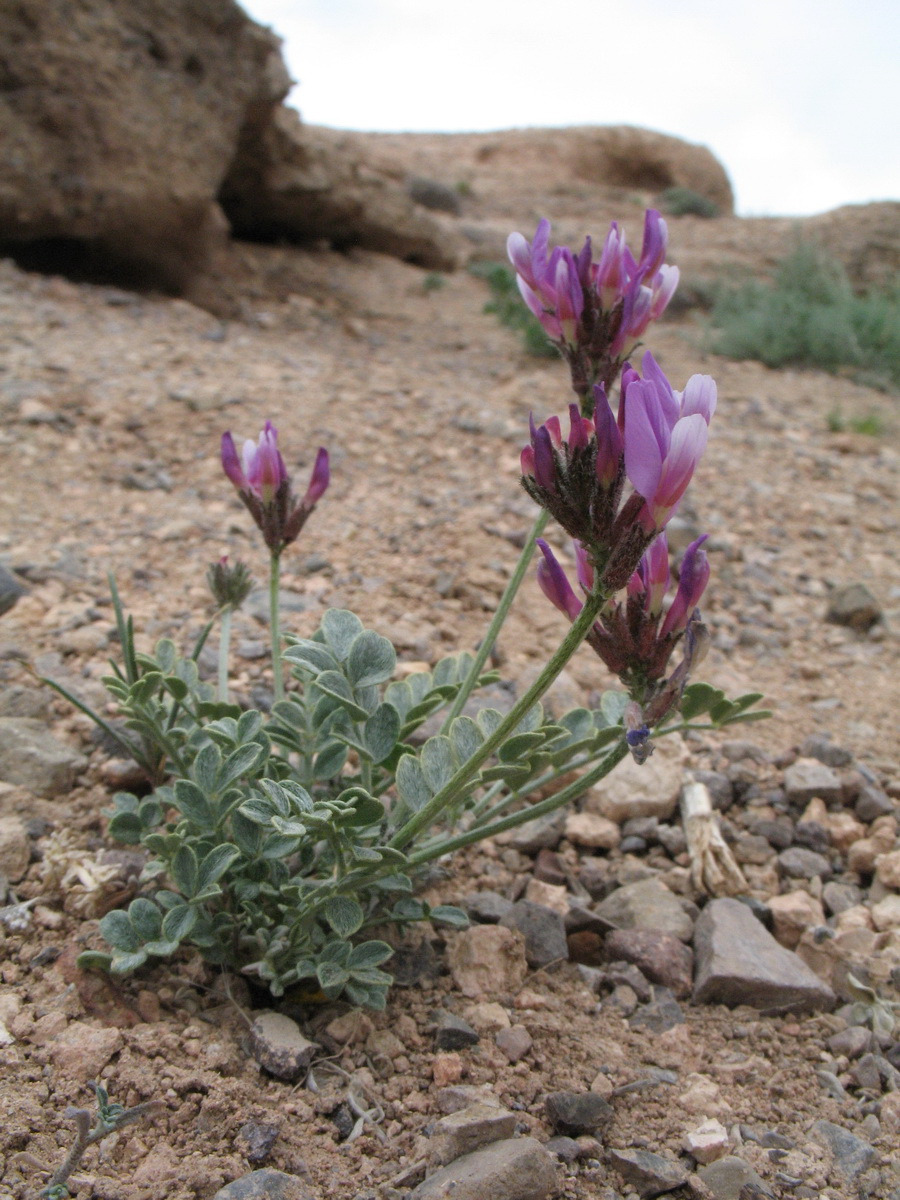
119 124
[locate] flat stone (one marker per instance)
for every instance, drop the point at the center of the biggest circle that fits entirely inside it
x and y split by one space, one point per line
514 1169
799 863
650 790
872 803
543 929
707 1142
739 962
647 904
852 1042
487 908
452 1032
591 830
541 833
514 1042
661 957
807 778
487 960
855 606
31 757
21 701
81 1051
266 1185
256 1139
820 746
838 897
727 1177
851 1154
469 1129
574 1113
279 1047
649 1174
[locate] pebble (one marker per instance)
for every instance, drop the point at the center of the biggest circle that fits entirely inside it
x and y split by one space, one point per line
591 830
650 790
728 1177
256 1139
708 1141
31 757
574 1113
820 746
513 1169
855 606
20 701
81 1051
739 962
661 1012
649 1174
15 849
850 1042
851 1154
452 1032
266 1185
544 931
446 1068
792 913
541 833
468 1129
514 1042
887 869
279 1047
872 803
807 778
487 960
660 957
838 897
647 904
487 908
799 863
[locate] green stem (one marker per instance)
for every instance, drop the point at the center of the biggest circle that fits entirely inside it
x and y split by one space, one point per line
274 627
224 643
572 792
447 794
498 619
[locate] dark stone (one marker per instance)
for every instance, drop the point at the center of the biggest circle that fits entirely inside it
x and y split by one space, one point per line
566 1149
778 833
853 605
548 867
720 788
256 1139
851 1154
452 1032
266 1185
487 908
544 932
662 1012
632 845
625 974
872 802
820 746
660 957
574 1113
672 839
10 590
344 1120
739 962
838 897
649 1174
513 1169
799 863
812 836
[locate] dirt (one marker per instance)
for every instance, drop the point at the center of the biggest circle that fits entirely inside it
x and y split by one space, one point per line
111 409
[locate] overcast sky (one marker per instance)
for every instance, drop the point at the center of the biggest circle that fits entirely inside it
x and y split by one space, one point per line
797 98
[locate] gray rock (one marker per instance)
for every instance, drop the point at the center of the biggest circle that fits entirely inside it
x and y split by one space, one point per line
865 1074
574 1113
256 1139
649 1174
853 605
852 1042
541 833
820 746
19 701
452 1032
624 974
739 962
279 1047
544 932
807 778
514 1042
872 802
851 1153
488 908
647 904
720 787
10 590
726 1177
266 1185
431 193
514 1169
660 1013
468 1130
565 1148
660 957
838 897
31 757
257 604
799 863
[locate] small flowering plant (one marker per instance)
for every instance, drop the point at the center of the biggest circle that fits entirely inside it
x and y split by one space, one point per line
286 845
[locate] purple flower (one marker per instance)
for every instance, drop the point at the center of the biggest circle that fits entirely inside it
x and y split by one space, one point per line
692 580
261 479
665 436
651 579
555 584
551 286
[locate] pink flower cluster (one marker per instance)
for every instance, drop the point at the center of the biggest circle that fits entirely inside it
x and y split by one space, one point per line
262 481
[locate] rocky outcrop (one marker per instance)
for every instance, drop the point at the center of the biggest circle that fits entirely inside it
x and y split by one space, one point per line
122 126
299 181
118 123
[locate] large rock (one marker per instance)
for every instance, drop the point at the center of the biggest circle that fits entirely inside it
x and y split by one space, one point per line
739 962
31 757
304 182
647 790
119 124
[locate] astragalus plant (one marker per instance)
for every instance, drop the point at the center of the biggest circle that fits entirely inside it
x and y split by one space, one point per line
283 845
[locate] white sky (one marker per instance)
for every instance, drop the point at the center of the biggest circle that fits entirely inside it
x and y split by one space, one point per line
797 98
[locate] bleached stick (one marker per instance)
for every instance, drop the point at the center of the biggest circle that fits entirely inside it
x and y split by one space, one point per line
713 867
